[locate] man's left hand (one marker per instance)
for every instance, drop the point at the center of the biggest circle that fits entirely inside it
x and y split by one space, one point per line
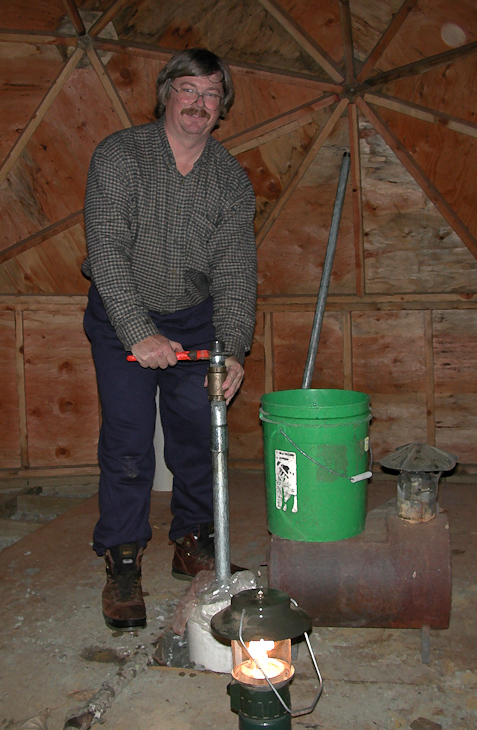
233 381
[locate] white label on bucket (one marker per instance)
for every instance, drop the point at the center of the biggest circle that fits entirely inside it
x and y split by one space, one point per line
366 443
285 475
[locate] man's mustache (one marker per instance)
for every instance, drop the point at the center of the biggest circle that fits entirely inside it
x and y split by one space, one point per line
196 110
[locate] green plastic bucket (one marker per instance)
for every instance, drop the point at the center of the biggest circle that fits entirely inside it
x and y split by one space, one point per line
316 445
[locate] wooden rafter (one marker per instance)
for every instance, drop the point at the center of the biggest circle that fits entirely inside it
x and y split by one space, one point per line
143 50
276 126
75 17
106 18
303 39
317 144
44 235
347 351
430 381
425 64
38 38
406 159
357 198
422 112
21 389
130 48
40 112
385 40
268 348
110 88
347 36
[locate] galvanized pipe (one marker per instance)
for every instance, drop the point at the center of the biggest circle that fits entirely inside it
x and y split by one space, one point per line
326 273
219 447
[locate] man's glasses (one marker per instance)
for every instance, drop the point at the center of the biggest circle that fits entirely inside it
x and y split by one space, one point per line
190 96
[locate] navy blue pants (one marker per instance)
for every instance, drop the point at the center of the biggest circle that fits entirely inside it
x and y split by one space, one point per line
126 450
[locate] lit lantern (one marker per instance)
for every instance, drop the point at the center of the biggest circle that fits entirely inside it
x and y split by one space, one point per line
260 624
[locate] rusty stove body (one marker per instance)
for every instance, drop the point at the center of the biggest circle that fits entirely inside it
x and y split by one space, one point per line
395 574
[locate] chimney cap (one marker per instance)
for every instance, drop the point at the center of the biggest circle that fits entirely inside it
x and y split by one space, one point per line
419 457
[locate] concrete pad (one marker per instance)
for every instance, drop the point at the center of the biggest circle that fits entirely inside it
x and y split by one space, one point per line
56 651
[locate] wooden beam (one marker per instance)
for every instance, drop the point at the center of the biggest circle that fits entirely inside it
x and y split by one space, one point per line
406 159
161 53
44 235
385 40
293 303
425 64
44 303
21 391
422 112
37 38
268 351
318 142
110 89
277 74
347 351
58 471
357 198
75 17
430 384
106 18
276 126
143 50
40 112
368 302
303 39
347 36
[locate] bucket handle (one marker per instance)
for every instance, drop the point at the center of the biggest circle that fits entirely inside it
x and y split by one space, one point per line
353 479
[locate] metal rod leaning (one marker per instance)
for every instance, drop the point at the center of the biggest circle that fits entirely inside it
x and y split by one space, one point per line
326 273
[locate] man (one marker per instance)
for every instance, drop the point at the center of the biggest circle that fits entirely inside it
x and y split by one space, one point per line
172 262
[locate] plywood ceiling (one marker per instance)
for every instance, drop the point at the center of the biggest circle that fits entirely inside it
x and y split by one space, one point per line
306 73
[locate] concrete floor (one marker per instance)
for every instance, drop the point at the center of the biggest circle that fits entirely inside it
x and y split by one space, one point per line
56 652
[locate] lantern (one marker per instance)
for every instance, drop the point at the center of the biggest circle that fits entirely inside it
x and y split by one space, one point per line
260 623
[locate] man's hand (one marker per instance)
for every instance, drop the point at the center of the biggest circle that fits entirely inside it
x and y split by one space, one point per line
156 352
234 378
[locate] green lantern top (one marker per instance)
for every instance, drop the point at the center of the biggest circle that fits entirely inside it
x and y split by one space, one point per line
265 613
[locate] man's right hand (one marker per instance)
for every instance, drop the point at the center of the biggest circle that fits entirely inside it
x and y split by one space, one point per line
156 352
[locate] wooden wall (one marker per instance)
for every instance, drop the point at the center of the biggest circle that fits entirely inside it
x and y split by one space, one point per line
377 79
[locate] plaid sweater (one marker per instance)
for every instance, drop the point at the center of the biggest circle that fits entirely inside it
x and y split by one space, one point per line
161 242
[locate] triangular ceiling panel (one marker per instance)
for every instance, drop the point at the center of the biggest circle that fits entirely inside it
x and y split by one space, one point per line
135 80
292 255
409 246
424 33
432 147
447 89
260 99
240 31
273 165
47 182
369 21
323 27
30 70
50 267
97 5
40 15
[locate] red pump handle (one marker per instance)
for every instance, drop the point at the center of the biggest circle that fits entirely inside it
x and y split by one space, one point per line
191 355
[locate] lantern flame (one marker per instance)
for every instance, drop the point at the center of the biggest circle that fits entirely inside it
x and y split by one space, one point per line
258 650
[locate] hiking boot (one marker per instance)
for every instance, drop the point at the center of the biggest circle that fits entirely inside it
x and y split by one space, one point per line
195 552
123 602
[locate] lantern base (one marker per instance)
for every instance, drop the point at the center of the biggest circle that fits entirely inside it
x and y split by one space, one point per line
259 707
